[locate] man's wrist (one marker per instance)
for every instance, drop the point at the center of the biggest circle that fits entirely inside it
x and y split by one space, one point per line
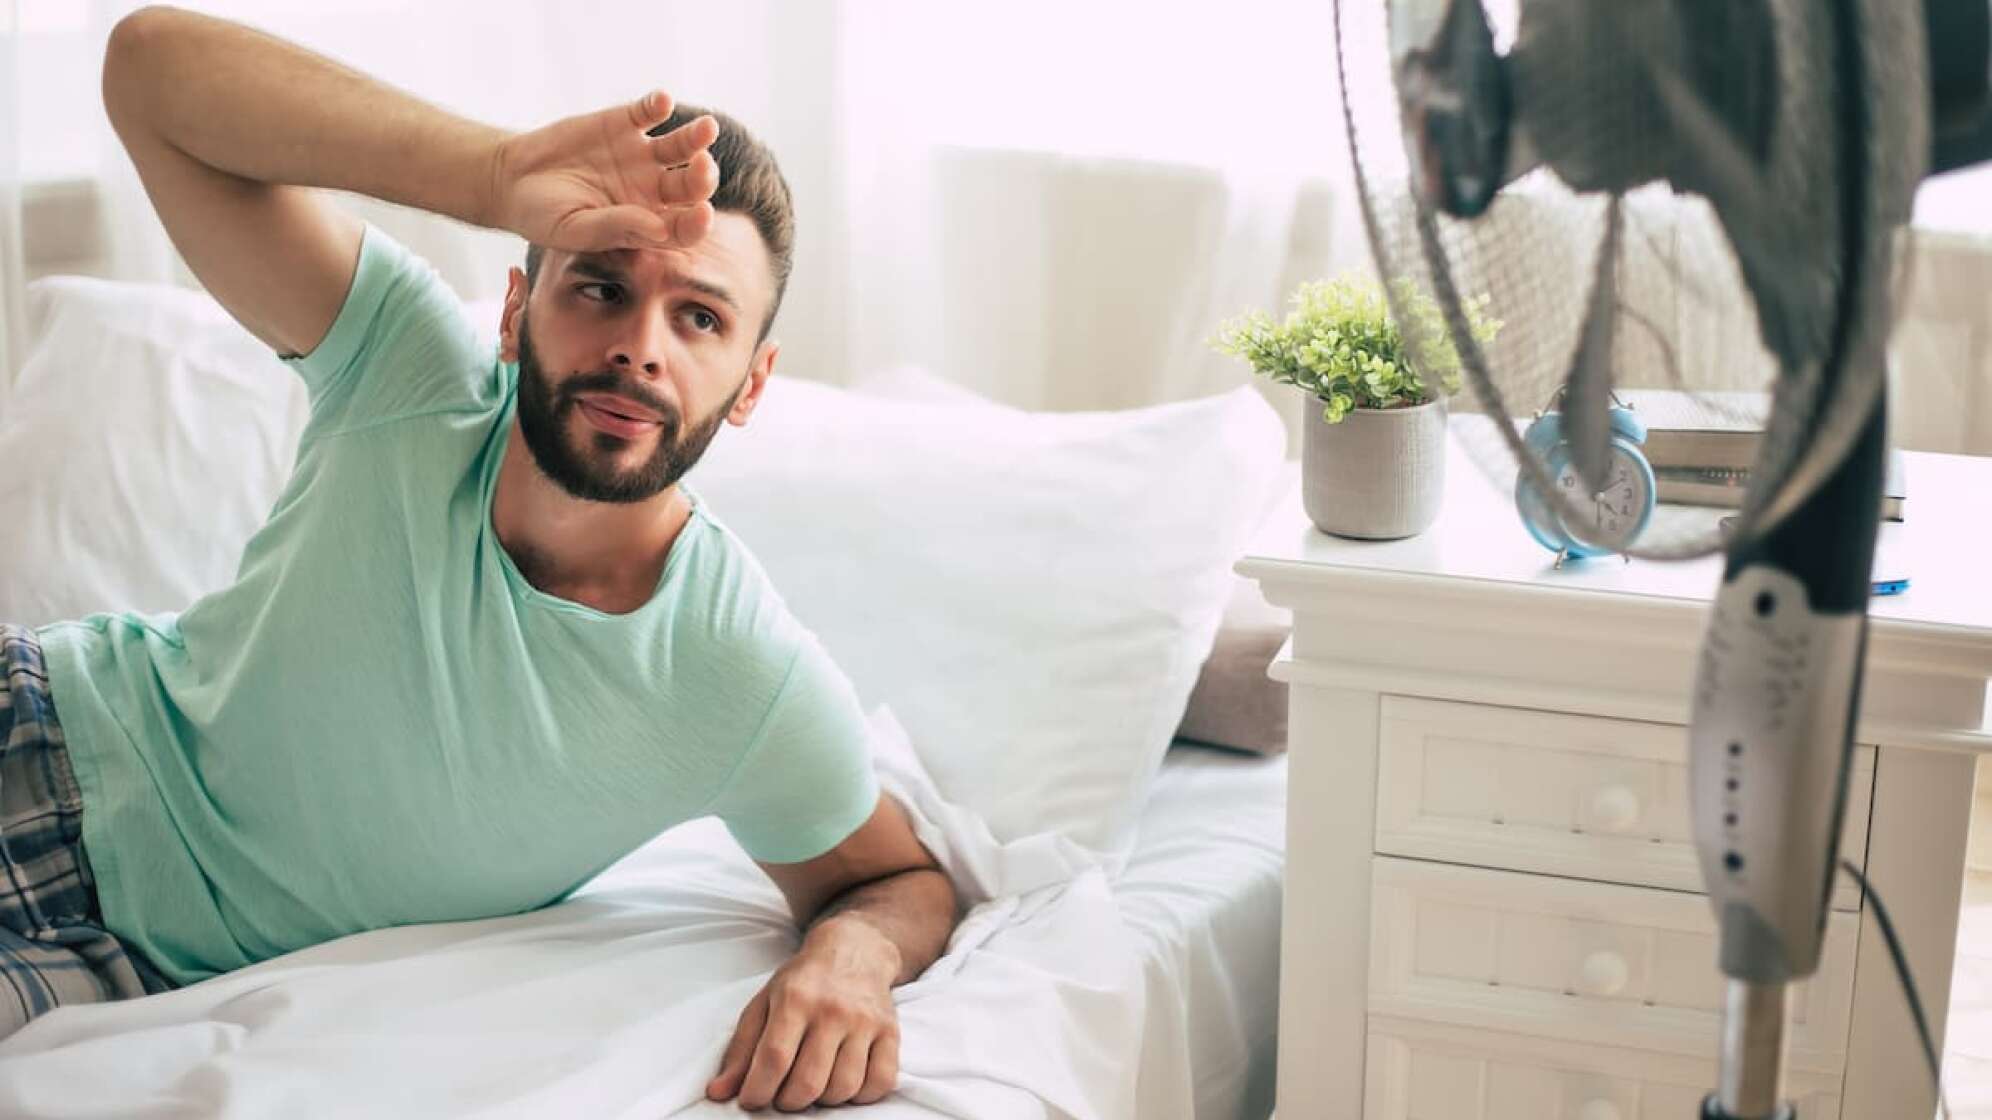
479 172
850 940
495 180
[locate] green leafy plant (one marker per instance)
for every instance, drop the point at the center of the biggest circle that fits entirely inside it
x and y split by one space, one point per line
1340 344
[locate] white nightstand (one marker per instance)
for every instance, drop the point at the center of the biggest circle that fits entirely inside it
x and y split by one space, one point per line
1491 907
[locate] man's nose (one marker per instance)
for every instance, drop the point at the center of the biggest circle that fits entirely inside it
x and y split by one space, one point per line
641 346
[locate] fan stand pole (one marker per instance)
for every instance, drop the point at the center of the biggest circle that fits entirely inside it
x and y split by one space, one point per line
1770 745
1753 1026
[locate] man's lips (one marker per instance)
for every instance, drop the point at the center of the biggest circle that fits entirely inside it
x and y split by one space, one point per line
620 406
613 422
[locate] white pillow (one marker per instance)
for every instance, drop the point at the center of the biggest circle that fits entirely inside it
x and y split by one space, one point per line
1032 593
145 439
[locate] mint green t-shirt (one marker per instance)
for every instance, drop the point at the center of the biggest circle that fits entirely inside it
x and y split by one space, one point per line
382 723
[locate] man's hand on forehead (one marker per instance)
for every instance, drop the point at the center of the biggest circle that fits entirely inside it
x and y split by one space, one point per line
599 181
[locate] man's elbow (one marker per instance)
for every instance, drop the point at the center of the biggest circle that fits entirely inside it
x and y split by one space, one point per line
133 43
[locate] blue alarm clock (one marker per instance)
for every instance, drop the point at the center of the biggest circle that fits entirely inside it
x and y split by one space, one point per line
1615 516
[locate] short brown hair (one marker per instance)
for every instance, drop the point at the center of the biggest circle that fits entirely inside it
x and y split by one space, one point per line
750 183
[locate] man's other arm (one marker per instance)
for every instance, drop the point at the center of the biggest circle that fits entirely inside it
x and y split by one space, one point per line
877 911
230 129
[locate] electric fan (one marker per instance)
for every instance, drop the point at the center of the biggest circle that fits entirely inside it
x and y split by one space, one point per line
1699 196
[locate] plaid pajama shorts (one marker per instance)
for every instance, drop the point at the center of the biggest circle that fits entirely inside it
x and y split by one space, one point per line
54 948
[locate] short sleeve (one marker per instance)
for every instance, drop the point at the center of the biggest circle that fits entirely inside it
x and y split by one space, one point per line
401 345
806 782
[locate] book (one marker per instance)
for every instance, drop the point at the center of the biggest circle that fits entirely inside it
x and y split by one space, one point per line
1714 429
1724 487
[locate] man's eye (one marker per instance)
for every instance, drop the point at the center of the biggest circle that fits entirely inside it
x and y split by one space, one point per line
702 320
611 292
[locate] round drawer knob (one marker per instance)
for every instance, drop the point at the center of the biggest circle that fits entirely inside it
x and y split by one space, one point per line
1599 1110
1615 808
1604 973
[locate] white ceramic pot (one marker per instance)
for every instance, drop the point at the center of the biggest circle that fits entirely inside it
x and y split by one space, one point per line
1380 474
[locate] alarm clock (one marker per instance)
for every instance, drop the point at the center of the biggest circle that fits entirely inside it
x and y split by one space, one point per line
1613 517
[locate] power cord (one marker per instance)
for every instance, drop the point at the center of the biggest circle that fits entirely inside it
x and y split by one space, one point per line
1887 925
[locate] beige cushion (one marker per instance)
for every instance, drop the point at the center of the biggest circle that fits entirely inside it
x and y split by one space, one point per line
1235 704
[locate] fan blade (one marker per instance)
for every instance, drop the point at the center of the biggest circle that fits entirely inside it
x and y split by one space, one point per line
1587 391
1794 312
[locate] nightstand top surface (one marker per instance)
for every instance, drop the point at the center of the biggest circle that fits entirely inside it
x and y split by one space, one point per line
1944 548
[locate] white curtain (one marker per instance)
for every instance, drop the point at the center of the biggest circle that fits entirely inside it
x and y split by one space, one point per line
1057 203
13 342
1053 204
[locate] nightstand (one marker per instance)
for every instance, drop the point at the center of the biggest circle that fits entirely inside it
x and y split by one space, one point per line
1492 900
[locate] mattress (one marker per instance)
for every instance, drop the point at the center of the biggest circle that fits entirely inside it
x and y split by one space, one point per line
1202 894
1068 993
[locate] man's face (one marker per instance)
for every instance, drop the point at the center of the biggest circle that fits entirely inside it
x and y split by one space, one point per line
629 360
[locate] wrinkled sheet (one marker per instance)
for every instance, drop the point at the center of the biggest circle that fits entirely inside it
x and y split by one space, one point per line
618 1001
1201 895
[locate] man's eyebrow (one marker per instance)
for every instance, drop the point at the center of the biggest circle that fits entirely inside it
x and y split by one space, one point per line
595 265
707 287
602 266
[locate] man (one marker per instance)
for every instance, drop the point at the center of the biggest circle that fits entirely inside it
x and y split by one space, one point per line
485 644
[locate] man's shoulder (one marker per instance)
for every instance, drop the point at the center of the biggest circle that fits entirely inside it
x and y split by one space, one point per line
402 346
737 605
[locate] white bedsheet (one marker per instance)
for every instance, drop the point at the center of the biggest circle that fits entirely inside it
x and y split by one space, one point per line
1202 894
1060 995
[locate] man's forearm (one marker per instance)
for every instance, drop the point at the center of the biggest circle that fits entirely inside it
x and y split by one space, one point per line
266 110
912 912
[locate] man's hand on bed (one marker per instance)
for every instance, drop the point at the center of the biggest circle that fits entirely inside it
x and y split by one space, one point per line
824 1029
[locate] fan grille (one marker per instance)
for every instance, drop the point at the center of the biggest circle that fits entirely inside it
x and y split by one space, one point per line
1691 314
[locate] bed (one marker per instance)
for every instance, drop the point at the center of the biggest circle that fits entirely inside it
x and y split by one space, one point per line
1120 955
1149 995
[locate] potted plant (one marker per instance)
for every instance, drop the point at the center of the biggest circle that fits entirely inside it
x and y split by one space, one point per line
1373 459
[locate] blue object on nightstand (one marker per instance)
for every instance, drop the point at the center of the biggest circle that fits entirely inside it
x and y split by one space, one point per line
1620 512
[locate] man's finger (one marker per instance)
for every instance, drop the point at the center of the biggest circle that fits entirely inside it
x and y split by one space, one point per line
688 224
772 1058
632 227
882 1071
613 227
733 1063
650 110
811 1071
689 182
847 1078
679 144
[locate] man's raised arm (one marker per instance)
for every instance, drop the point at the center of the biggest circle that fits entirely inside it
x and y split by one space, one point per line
230 128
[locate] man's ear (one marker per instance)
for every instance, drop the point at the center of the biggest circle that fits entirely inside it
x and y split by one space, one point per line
508 320
757 380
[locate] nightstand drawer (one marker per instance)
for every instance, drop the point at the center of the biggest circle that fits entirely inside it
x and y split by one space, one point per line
1425 1071
1581 796
1583 962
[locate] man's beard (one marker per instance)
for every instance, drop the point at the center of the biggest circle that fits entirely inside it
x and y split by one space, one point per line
583 471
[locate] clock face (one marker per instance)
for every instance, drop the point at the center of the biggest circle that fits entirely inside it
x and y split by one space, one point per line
1610 517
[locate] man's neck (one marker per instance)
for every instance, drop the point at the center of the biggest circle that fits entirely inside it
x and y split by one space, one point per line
608 556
